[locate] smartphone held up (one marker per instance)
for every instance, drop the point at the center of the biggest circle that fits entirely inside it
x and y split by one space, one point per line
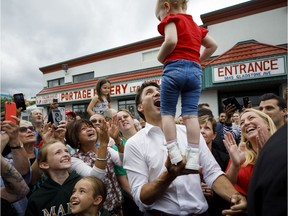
10 110
58 115
20 101
232 101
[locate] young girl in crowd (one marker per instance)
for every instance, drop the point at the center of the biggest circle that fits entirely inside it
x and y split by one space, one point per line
52 198
82 135
88 197
101 101
257 128
180 55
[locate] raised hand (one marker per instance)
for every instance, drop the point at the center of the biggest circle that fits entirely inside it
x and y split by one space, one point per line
59 132
11 129
47 132
237 154
114 129
261 139
103 133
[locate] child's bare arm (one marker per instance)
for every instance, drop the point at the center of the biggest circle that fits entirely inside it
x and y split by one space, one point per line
169 43
210 47
92 104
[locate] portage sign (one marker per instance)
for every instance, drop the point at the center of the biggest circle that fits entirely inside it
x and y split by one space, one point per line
120 89
249 70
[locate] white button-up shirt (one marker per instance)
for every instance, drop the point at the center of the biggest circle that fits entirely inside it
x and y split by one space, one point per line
144 159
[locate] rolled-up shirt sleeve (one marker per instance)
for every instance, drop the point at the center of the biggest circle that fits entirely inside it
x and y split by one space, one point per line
116 156
85 170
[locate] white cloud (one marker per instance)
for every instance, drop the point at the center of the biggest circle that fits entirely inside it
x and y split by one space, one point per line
37 33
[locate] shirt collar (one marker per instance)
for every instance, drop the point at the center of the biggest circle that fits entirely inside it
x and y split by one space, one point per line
150 127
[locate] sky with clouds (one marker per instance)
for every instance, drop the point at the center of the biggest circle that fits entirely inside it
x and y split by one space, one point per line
37 33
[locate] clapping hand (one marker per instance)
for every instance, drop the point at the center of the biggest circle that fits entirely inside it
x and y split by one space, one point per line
49 132
114 129
261 139
237 154
103 133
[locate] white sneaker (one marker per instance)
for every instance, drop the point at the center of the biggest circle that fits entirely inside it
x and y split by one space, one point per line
174 153
192 157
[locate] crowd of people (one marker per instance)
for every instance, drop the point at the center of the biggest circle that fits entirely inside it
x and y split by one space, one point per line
108 165
155 165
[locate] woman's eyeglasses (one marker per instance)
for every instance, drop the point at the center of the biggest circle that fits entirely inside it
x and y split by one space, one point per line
96 120
24 129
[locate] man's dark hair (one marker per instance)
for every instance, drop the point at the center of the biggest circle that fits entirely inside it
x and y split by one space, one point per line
139 93
204 111
280 101
203 105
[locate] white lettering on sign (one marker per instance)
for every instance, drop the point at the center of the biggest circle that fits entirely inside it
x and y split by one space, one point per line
249 70
46 99
84 94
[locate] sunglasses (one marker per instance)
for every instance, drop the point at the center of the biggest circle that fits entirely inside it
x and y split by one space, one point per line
96 120
24 129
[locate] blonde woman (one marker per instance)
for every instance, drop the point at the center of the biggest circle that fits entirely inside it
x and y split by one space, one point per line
256 128
127 129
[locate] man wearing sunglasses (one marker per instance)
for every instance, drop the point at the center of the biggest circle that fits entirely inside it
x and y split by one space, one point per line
97 120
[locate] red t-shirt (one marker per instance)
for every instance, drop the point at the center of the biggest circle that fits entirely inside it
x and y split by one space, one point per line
190 37
243 178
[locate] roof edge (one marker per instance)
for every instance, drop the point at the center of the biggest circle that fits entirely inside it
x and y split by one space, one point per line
241 10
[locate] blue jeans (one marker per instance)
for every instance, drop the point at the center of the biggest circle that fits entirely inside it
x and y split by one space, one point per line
185 77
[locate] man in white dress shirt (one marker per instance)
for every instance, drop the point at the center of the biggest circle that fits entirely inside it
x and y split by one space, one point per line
160 188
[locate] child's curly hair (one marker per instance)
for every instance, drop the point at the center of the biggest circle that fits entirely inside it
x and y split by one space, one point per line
176 4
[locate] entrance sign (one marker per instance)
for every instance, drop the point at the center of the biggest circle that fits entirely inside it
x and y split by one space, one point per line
249 70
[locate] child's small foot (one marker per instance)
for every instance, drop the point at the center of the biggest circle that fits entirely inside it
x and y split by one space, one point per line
174 153
192 157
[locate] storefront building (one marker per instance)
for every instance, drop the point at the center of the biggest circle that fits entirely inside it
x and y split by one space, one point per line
251 59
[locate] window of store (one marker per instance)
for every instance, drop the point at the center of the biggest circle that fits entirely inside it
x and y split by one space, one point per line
129 105
83 77
55 82
80 110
